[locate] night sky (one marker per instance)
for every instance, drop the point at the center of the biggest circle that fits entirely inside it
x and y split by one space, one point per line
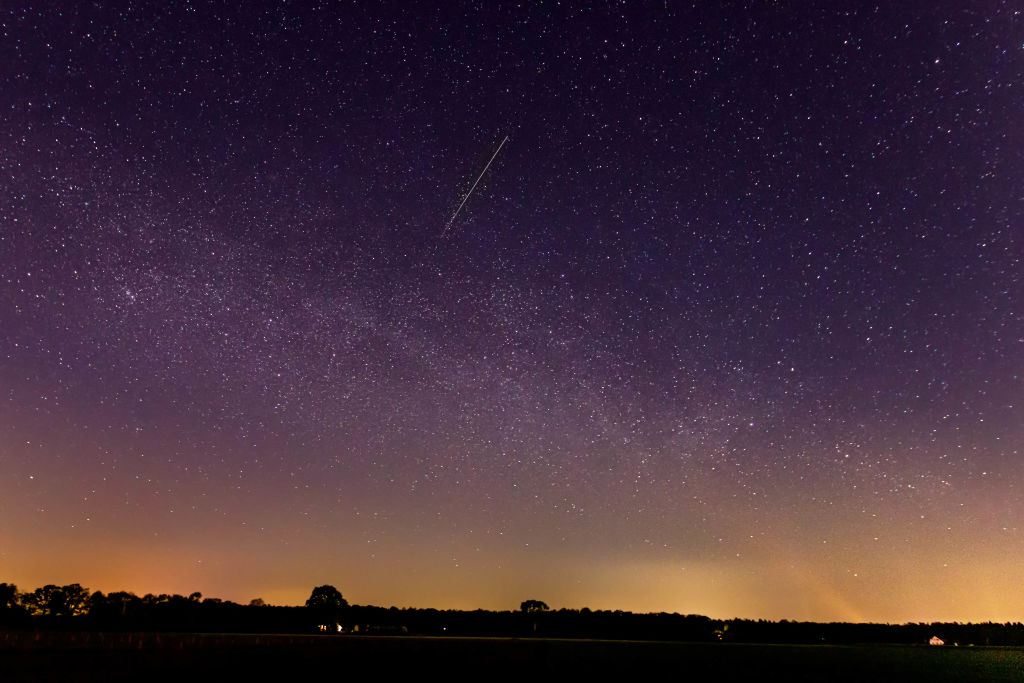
730 325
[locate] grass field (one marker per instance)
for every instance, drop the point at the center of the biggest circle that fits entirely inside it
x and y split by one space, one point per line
202 657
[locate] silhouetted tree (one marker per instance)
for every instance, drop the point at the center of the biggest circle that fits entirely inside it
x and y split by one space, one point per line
119 605
534 606
58 601
326 604
326 597
8 596
11 610
257 602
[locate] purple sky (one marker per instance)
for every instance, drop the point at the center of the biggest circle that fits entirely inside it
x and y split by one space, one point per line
731 325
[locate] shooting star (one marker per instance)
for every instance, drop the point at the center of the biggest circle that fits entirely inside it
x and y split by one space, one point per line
464 199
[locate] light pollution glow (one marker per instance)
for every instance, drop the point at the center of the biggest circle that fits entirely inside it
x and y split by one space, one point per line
731 325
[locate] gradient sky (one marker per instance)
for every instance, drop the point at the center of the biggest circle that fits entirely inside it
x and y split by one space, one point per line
731 325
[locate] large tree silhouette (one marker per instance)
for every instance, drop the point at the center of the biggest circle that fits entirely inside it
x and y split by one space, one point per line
8 596
326 597
58 601
11 611
534 606
326 603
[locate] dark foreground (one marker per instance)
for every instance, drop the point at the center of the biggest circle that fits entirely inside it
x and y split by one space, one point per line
27 656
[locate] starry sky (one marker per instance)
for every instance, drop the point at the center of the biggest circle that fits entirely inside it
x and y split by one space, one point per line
730 325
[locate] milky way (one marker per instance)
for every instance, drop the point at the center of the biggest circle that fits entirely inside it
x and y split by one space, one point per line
731 325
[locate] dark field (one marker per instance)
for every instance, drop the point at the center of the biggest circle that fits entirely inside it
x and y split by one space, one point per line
192 657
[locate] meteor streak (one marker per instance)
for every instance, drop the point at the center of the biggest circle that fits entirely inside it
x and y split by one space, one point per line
452 219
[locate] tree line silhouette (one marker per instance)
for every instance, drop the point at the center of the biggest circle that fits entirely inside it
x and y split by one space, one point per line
74 607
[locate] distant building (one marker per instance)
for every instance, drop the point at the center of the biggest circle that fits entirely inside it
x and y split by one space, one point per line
935 640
